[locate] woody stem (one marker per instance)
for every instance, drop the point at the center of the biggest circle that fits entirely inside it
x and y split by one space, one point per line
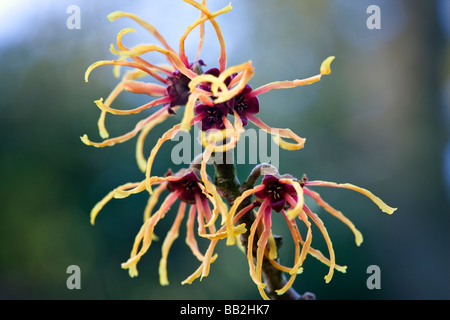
227 182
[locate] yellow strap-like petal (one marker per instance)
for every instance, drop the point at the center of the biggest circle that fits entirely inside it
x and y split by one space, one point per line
166 136
318 222
210 187
384 207
150 28
298 208
153 200
324 70
338 214
278 133
251 263
200 22
230 217
117 63
325 67
125 137
205 11
171 236
170 55
140 158
99 206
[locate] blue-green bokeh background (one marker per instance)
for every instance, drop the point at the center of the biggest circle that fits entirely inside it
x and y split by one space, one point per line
381 121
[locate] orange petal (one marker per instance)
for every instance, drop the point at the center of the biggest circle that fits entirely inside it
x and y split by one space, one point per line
200 22
205 11
324 70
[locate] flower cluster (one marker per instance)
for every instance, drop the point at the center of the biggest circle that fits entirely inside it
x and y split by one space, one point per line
221 102
285 195
186 187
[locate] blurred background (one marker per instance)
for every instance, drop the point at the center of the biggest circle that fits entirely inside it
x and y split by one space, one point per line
381 121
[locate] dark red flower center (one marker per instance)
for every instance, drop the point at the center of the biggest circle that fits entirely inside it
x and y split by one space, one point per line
276 193
187 186
244 104
211 116
178 85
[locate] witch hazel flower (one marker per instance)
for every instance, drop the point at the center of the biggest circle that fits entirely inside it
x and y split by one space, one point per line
173 90
186 188
284 195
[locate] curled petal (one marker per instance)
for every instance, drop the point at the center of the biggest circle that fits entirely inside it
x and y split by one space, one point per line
214 139
115 63
190 234
238 230
273 253
171 236
150 28
113 95
141 124
186 122
153 200
205 11
203 269
318 222
208 78
297 206
278 133
170 55
324 70
141 161
296 269
319 256
120 193
262 242
99 206
306 244
202 35
338 214
138 59
116 68
325 67
230 217
145 235
154 103
247 73
166 136
200 22
253 230
384 207
218 205
169 134
210 187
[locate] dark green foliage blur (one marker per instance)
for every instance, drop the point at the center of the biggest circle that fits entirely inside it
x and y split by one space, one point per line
381 121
